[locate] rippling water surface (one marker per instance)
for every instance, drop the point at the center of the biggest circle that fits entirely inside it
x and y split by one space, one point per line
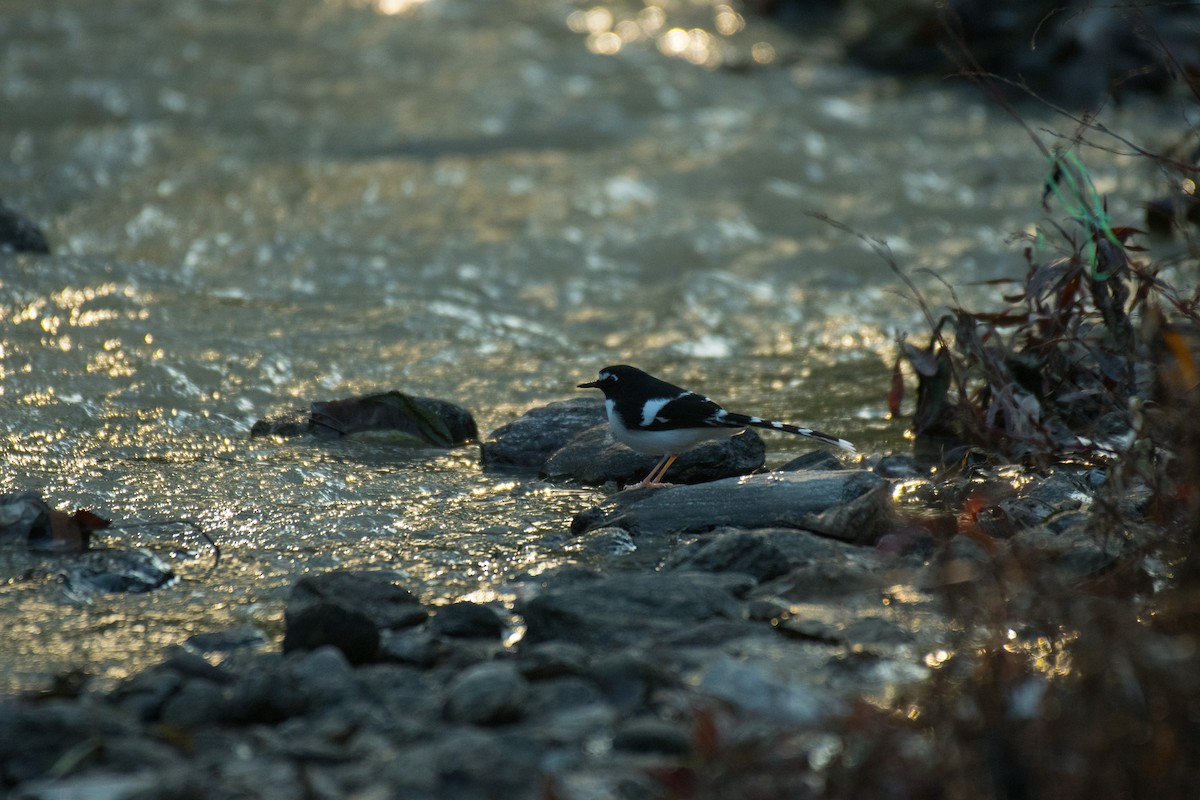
255 205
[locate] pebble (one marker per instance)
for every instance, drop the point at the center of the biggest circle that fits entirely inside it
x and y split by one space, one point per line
487 694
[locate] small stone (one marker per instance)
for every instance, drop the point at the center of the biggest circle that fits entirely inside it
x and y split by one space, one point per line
627 678
111 571
552 660
375 594
736 551
562 694
324 676
576 724
624 609
466 621
763 689
196 704
19 235
264 696
192 665
144 695
487 694
816 460
475 764
319 624
529 440
652 735
902 466
418 647
611 542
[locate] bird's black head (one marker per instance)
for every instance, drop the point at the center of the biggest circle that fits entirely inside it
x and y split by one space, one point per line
611 377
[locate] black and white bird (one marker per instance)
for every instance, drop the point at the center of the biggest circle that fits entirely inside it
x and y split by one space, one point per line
657 418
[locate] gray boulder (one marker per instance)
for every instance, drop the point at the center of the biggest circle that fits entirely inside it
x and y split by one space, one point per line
526 442
595 457
817 501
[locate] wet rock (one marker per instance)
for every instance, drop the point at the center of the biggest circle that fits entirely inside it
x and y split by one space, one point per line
323 624
621 609
94 786
813 460
36 735
27 521
628 678
972 552
19 235
856 572
610 542
805 547
267 695
712 633
561 694
24 516
111 571
197 703
473 763
487 694
142 754
418 647
320 624
529 440
861 521
191 665
809 630
758 689
792 500
873 631
1072 547
903 466
1036 501
552 660
324 677
392 417
144 695
241 636
408 699
595 457
374 593
652 735
735 551
466 621
575 725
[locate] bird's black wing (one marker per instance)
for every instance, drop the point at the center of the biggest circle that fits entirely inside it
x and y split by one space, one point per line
686 410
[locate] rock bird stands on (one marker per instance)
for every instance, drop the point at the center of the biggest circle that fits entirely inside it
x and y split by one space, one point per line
657 418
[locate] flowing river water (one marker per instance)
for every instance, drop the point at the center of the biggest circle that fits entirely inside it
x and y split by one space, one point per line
257 205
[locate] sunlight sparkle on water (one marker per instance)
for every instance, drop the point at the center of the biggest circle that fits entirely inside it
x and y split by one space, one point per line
390 8
702 36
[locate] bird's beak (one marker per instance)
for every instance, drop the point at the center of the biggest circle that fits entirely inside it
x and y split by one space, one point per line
592 385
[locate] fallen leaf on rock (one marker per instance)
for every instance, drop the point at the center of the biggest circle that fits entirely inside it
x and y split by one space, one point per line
26 520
